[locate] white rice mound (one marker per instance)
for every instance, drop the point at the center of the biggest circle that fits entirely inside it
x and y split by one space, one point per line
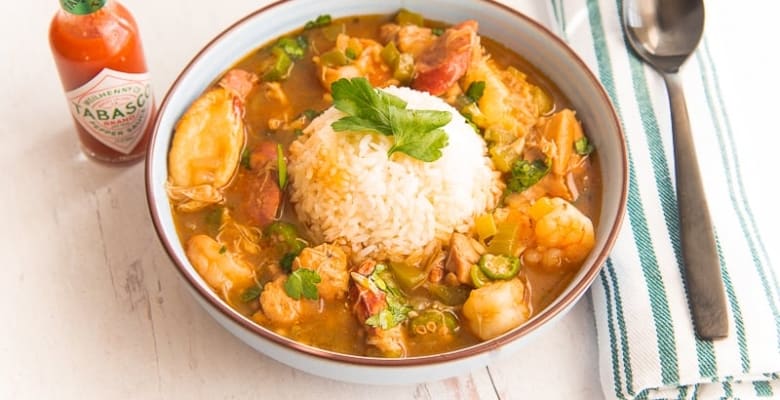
344 187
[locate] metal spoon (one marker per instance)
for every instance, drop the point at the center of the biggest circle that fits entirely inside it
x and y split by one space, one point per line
665 33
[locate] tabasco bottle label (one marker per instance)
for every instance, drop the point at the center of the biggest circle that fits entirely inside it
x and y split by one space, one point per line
82 7
114 107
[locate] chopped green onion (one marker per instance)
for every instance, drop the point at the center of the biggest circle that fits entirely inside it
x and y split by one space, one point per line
281 164
222 250
292 47
251 293
311 114
437 31
319 22
475 91
246 157
583 146
286 262
350 53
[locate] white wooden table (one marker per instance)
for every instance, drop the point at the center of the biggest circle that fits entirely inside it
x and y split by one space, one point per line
91 305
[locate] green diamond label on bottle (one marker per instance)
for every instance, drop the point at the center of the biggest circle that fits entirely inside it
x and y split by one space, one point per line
114 107
81 7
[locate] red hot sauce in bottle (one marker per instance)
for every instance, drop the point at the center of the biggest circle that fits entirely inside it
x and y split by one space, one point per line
101 63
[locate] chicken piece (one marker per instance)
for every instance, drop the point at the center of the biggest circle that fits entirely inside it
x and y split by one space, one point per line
563 234
412 39
390 342
441 65
464 252
277 306
330 262
497 307
562 130
218 266
207 143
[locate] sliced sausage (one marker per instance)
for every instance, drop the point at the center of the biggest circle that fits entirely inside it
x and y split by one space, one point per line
442 65
263 198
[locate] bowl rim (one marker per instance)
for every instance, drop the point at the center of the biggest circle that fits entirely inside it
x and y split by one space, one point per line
562 304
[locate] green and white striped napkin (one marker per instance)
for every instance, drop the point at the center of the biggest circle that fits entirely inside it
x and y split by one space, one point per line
647 346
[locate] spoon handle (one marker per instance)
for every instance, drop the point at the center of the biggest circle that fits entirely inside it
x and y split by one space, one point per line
702 266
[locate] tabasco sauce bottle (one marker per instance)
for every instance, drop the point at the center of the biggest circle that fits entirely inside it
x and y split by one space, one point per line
101 63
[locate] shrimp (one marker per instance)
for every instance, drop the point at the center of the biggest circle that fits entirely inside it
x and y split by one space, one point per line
330 262
563 234
207 143
497 308
218 266
367 63
412 39
277 306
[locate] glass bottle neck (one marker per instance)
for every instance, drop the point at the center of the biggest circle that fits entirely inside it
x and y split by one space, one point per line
82 7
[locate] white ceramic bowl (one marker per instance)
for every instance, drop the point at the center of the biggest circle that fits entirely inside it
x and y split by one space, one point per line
540 47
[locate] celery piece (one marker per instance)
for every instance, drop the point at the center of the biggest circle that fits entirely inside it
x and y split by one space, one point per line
408 276
404 70
449 295
406 17
485 225
280 69
390 55
334 58
505 239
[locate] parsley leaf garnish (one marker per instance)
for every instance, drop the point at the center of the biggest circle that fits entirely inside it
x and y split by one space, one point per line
417 133
251 293
525 174
302 282
319 22
246 157
368 109
396 310
475 91
583 147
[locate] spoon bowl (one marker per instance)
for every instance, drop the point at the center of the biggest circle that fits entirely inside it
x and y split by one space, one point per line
664 33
